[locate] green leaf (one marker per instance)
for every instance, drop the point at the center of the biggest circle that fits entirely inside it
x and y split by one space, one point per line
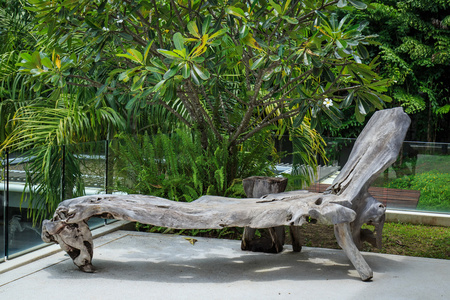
198 59
244 31
147 49
258 63
158 86
218 33
358 4
36 59
185 71
363 107
47 62
268 75
130 57
342 3
250 41
372 98
362 51
126 36
205 25
169 54
317 72
316 61
333 115
347 100
202 72
138 84
307 59
290 20
341 44
178 41
194 77
323 17
295 102
26 56
171 72
300 117
154 70
342 21
236 11
124 76
136 54
131 103
275 6
359 117
193 29
328 75
182 53
274 58
385 98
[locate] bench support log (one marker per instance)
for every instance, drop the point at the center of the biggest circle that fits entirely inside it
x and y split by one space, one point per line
343 235
273 239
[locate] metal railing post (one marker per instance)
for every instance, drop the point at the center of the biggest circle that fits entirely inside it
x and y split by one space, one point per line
6 207
63 172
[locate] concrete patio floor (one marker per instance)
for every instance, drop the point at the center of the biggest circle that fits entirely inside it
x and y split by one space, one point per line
136 265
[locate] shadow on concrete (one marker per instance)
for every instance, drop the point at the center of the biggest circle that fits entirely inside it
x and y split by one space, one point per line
165 258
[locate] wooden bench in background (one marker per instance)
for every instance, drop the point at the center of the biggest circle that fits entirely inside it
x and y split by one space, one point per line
391 198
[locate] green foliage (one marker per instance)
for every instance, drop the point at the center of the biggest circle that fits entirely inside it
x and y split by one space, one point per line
231 72
434 189
234 68
177 167
414 43
411 103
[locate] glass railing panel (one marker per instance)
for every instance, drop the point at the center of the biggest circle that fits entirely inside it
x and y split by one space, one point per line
90 159
419 179
21 234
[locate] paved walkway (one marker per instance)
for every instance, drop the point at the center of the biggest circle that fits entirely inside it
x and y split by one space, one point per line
134 265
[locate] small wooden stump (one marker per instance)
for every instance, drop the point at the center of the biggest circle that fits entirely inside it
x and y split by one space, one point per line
273 238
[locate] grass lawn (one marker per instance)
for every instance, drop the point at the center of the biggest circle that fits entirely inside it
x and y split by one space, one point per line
398 238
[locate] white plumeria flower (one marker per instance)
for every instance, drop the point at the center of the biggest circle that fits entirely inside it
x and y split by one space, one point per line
328 102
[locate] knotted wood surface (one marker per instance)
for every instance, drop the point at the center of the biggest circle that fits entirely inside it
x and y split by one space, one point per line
209 212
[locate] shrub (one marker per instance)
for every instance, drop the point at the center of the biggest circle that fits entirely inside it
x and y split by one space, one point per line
177 167
434 189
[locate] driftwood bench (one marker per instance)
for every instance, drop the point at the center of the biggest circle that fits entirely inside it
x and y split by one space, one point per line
346 204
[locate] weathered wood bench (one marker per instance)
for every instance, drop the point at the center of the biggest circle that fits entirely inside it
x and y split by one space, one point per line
346 204
391 198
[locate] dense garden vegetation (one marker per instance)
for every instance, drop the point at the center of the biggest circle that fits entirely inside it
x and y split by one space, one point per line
213 81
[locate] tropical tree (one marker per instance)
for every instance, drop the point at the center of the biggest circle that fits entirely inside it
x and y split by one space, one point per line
235 68
227 70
